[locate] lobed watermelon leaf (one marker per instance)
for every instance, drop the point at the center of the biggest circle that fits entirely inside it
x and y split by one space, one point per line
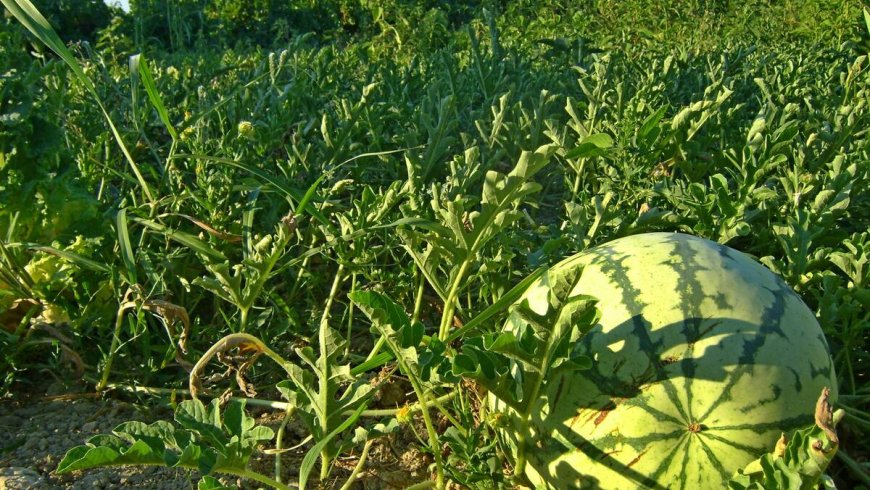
404 339
204 441
514 364
465 224
107 451
540 342
797 463
326 390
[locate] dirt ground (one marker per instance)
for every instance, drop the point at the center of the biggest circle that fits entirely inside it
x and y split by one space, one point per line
39 427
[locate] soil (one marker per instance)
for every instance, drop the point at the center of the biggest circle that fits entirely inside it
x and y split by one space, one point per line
38 428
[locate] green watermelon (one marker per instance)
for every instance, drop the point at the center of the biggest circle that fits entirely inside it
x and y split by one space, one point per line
702 358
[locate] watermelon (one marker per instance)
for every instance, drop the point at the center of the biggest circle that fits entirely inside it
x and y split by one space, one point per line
702 358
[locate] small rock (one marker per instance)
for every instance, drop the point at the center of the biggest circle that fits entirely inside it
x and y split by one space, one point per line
89 427
31 443
16 478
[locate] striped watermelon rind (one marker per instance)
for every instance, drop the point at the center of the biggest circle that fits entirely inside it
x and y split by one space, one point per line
702 359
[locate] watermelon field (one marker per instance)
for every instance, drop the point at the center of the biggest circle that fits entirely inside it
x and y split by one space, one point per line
360 244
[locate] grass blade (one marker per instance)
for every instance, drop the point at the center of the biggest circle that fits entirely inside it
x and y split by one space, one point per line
71 257
139 64
183 238
310 193
375 362
351 236
126 248
499 306
133 64
248 222
227 237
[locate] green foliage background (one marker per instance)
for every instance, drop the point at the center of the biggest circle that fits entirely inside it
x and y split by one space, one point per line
742 122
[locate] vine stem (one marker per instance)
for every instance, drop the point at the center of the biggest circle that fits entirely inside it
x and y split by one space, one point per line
374 413
350 309
452 298
243 319
520 468
523 430
418 300
279 440
116 341
229 342
430 429
244 473
325 456
422 485
253 475
359 465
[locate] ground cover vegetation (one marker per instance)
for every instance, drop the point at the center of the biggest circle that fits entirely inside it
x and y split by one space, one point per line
334 199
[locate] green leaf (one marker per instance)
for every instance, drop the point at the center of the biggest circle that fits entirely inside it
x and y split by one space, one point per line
248 222
390 321
208 443
183 238
138 64
125 246
798 462
422 364
309 195
490 370
462 232
206 421
236 420
290 192
428 260
310 458
158 436
538 341
362 435
591 146
109 453
211 483
650 130
29 16
217 287
314 392
434 362
243 436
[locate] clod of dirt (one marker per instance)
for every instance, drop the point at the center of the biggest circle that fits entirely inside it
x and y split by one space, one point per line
16 478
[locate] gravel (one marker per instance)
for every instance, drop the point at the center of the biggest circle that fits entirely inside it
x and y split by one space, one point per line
36 431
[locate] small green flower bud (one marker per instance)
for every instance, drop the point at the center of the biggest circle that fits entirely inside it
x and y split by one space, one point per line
246 129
